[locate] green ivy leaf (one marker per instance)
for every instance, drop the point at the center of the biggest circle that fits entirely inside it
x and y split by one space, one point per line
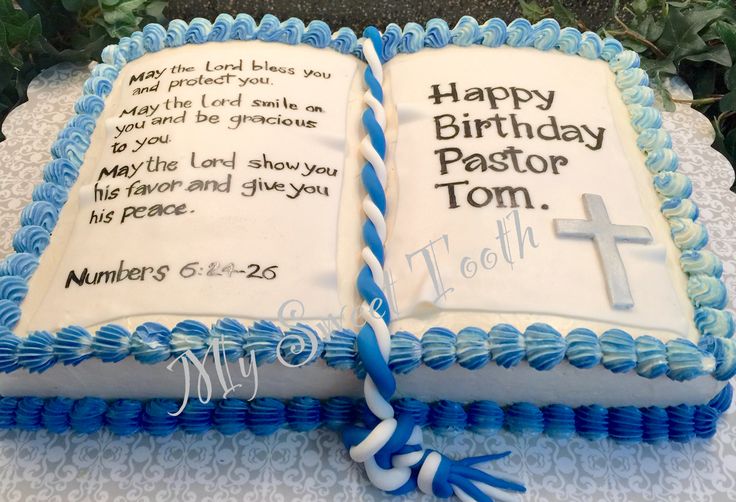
680 35
729 150
658 66
125 5
730 142
10 15
531 10
639 7
731 78
727 33
728 102
72 5
651 28
6 76
6 54
664 94
718 54
155 10
705 83
563 15
633 45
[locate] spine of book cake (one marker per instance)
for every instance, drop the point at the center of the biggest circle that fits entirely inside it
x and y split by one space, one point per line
392 452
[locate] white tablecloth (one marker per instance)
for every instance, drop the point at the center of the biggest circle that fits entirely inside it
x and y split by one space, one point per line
314 466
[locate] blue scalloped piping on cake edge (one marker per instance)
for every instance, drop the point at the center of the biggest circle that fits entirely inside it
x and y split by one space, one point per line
266 415
543 347
472 348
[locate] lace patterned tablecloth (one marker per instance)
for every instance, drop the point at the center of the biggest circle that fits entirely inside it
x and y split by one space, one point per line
315 466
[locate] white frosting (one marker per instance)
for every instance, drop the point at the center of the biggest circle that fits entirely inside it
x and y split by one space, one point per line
268 234
561 280
564 384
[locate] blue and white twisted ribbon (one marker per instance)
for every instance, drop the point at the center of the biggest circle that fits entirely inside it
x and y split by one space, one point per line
395 459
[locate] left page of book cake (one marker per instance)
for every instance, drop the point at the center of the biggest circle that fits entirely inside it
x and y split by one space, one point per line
221 180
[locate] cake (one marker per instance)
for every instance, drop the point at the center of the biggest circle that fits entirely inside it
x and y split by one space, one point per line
255 225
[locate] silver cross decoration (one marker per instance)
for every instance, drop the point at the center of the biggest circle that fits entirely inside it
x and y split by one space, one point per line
605 235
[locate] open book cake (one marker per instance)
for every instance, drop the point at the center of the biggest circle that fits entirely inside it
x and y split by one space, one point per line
255 225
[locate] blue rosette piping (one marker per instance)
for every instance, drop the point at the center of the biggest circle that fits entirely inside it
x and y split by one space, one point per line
519 33
123 416
406 353
262 340
9 345
317 34
9 314
447 417
341 351
619 351
337 412
29 413
31 239
625 424
507 345
13 288
524 418
651 355
52 193
473 348
196 417
682 422
230 334
304 413
592 422
192 336
230 416
687 361
111 343
655 425
438 348
696 262
300 346
88 415
73 345
8 409
55 416
583 349
559 421
158 417
714 322
545 347
485 417
149 343
419 410
437 33
36 352
266 416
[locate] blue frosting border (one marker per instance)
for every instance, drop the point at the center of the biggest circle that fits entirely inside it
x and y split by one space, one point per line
471 348
266 415
542 346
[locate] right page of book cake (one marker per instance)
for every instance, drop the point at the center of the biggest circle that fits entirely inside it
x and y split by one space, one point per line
517 194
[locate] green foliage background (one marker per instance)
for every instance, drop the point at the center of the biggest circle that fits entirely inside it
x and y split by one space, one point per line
37 34
693 38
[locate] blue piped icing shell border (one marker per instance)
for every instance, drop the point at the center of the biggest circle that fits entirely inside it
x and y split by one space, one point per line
266 415
472 348
541 346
